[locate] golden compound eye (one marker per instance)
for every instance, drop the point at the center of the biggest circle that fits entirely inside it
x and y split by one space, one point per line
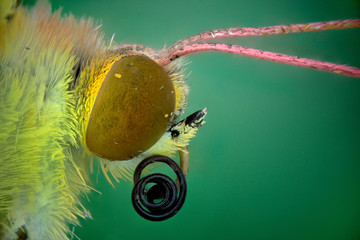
132 109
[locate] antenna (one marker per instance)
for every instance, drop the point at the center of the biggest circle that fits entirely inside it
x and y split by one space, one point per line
197 43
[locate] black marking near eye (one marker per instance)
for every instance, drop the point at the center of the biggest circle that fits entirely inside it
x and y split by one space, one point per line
175 133
76 74
77 71
195 119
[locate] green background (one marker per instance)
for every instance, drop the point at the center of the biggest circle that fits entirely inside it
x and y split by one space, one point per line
279 156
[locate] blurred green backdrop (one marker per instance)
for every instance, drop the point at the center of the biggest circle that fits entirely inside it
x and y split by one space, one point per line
279 156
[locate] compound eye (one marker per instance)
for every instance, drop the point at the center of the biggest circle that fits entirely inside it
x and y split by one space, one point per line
132 109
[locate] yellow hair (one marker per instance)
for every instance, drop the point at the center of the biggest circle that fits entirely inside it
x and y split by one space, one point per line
51 70
40 182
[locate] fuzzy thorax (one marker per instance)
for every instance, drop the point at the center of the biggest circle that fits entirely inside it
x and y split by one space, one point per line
40 178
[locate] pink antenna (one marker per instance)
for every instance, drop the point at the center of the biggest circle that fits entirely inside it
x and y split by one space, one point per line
189 45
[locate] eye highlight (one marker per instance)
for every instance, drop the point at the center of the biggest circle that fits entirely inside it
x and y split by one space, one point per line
132 109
